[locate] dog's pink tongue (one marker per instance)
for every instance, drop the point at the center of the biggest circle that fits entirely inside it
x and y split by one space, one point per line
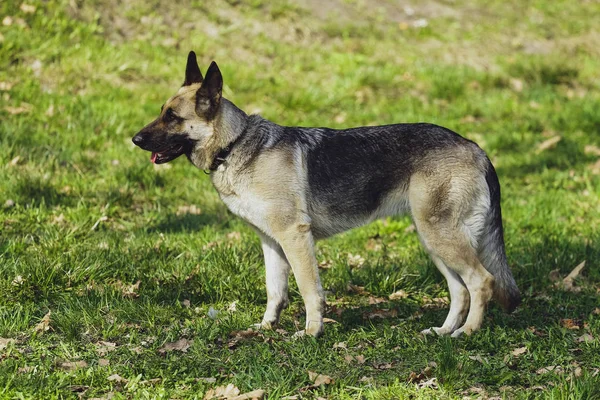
153 157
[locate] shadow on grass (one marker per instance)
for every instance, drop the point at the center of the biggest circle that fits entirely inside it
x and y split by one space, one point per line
172 223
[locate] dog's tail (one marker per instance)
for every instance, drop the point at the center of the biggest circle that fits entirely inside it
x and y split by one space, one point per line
492 253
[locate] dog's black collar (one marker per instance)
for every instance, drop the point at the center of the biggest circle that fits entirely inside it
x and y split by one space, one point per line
223 153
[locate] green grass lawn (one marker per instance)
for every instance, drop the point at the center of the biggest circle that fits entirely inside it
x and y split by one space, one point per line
106 260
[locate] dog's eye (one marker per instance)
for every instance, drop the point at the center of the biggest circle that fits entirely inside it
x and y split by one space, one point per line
170 115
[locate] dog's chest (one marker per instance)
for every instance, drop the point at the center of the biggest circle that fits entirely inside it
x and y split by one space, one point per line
242 201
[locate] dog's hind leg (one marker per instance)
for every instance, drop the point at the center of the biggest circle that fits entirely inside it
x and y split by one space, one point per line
277 271
459 300
446 212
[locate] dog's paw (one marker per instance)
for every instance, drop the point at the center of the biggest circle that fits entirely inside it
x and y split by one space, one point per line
439 331
462 331
264 325
299 334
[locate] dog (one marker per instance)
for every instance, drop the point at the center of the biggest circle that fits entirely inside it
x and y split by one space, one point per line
296 185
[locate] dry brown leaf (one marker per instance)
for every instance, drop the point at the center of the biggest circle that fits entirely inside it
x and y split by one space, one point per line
103 362
557 369
410 228
548 144
595 167
24 108
319 379
26 369
4 342
376 300
568 281
129 291
554 275
348 358
232 307
222 392
516 84
592 149
27 8
596 311
569 323
356 289
72 365
360 359
191 209
325 264
340 345
373 245
355 260
382 314
293 397
182 345
102 348
255 394
44 324
329 321
400 294
383 365
234 236
517 352
585 338
5 86
116 378
431 383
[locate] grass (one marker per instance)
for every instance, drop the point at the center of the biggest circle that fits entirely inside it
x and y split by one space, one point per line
85 216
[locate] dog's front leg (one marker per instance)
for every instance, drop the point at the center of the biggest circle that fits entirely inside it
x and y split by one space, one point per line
298 245
277 271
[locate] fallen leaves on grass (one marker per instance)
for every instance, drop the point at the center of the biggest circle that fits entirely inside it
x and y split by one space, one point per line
27 8
24 108
182 345
116 378
73 365
548 144
103 362
519 351
585 338
376 300
44 324
232 307
381 314
4 342
569 323
319 379
103 348
355 260
127 290
356 289
430 384
400 294
238 336
557 369
421 376
568 282
325 264
569 279
592 149
329 321
595 167
231 392
234 236
191 209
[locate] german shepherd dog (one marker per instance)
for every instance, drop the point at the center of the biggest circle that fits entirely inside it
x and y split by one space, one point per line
295 185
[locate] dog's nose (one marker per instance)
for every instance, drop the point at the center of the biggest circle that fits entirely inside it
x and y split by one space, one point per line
137 139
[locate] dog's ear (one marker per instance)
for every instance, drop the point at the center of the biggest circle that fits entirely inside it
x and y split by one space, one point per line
192 71
208 97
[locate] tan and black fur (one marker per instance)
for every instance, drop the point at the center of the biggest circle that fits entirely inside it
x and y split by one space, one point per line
296 185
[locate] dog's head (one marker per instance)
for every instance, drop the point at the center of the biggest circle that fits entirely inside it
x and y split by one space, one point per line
186 119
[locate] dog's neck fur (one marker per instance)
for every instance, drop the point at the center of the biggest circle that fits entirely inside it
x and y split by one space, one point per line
229 123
